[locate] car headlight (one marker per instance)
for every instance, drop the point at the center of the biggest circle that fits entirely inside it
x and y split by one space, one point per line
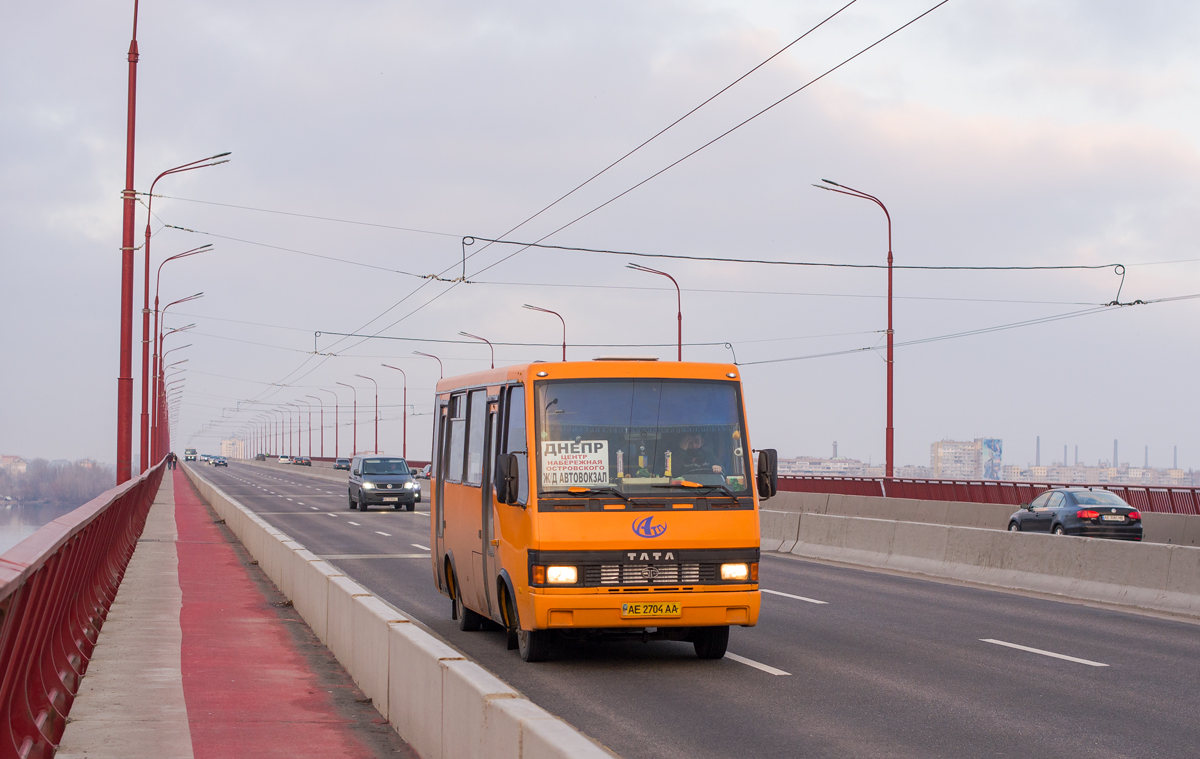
408 486
368 486
735 572
562 575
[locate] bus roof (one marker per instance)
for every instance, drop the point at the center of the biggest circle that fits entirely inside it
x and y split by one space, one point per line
650 369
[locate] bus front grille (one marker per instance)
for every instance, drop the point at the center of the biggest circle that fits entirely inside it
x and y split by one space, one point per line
647 574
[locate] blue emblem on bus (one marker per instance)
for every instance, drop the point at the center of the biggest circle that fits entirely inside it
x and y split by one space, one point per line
647 529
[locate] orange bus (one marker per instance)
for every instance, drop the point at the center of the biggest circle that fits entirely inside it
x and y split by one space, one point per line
614 497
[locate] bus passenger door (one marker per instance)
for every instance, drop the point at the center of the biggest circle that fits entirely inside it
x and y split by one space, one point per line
439 495
488 569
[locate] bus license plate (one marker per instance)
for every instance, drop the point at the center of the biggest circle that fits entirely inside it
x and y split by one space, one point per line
389 498
650 610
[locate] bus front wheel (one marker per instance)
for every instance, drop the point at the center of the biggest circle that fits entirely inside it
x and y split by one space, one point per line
534 645
711 642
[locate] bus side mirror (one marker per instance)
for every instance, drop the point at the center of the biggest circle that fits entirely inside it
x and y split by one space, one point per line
768 473
507 479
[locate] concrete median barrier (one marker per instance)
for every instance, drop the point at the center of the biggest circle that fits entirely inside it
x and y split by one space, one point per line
1159 577
443 704
371 629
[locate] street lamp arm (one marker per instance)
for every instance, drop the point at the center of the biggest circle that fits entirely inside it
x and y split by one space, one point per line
484 339
560 318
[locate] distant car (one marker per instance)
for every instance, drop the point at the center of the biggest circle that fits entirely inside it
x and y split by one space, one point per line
285 459
426 471
260 457
220 461
383 481
302 461
1086 512
342 464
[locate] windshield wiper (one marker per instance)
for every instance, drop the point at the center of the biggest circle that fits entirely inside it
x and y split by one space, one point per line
709 488
598 491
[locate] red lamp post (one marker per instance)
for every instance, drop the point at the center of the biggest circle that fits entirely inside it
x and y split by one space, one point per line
145 445
176 302
336 428
322 402
354 439
363 376
160 413
299 449
125 365
678 299
844 190
441 373
564 324
484 339
156 455
306 403
404 413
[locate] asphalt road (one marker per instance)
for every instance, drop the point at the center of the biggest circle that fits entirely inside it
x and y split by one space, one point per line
886 666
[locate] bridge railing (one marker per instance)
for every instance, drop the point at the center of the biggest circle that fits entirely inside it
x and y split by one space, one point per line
1164 499
56 587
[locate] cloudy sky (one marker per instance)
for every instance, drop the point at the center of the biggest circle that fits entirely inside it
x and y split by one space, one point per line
998 133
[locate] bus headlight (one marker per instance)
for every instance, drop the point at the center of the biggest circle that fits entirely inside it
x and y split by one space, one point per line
562 575
735 572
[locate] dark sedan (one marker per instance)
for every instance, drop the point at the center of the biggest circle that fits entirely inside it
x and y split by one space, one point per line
342 464
302 461
1079 511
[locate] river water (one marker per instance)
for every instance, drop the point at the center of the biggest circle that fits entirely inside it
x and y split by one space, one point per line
20 520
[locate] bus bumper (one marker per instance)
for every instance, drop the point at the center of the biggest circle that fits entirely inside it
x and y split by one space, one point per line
603 611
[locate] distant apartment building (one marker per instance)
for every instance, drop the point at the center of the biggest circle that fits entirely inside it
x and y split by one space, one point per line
1103 474
809 466
13 464
980 458
233 449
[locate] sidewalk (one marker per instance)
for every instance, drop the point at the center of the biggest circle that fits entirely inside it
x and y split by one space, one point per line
196 659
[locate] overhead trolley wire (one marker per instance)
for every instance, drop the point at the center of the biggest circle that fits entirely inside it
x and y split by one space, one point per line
724 134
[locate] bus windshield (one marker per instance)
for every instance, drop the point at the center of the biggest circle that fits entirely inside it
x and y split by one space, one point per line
635 434
384 466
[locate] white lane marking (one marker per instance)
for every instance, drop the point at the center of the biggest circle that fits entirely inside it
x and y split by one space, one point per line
331 514
384 534
1044 653
299 503
418 545
289 499
789 595
356 524
314 508
757 665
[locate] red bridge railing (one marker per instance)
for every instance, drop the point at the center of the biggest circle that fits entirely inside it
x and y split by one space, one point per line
1153 498
56 587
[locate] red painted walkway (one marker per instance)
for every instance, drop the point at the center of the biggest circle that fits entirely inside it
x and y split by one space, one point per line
249 686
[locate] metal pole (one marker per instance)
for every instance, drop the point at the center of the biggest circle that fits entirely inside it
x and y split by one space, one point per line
564 324
354 439
484 339
404 413
336 428
321 401
441 373
376 409
678 301
889 434
125 369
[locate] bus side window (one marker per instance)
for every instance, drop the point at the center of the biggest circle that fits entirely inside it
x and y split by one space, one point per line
477 409
515 441
458 437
